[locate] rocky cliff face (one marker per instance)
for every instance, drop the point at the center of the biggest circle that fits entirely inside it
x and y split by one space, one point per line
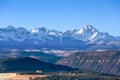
104 62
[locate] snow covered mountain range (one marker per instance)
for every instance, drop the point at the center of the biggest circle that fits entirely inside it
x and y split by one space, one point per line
86 38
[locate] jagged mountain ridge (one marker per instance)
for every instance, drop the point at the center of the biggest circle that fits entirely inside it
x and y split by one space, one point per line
86 38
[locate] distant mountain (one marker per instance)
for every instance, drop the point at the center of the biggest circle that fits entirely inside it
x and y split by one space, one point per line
104 62
86 38
29 64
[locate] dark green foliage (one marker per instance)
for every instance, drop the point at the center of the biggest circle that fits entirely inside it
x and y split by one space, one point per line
75 78
78 75
29 64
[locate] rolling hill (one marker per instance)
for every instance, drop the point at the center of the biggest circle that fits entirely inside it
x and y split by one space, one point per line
28 64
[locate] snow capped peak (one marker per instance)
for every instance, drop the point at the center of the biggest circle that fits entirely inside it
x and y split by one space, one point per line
34 30
42 29
80 31
90 28
41 36
52 33
86 29
86 34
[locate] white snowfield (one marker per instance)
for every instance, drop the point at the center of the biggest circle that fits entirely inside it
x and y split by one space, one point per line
87 33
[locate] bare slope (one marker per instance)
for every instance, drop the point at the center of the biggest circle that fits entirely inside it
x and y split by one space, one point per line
104 62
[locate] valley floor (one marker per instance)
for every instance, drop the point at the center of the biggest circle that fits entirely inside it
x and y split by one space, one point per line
13 76
57 76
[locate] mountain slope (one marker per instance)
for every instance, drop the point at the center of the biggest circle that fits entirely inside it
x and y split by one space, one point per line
84 39
29 64
104 62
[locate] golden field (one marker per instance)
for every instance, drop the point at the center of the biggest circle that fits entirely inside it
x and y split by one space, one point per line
13 76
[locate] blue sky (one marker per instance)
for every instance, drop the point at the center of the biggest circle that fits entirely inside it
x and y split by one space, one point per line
104 15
